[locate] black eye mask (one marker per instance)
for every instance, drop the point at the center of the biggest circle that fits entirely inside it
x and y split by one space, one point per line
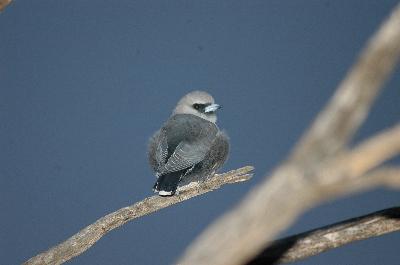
200 107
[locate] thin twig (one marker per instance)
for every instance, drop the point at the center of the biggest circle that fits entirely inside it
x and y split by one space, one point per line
388 177
374 151
313 242
88 236
346 169
3 4
275 204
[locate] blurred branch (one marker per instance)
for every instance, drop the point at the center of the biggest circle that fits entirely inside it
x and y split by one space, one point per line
88 236
315 167
373 151
351 171
3 4
313 242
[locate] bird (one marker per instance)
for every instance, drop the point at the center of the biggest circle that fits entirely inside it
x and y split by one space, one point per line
189 146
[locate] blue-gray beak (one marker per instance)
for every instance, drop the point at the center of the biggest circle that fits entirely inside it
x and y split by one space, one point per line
212 108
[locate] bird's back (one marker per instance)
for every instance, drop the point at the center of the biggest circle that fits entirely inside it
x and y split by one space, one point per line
189 128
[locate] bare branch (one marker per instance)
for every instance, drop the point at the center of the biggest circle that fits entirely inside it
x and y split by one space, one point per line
88 236
386 176
313 242
374 151
3 4
345 172
294 186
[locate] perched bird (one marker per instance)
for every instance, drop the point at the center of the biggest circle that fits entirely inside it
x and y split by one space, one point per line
189 146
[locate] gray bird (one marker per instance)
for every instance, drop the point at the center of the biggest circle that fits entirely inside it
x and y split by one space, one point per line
189 146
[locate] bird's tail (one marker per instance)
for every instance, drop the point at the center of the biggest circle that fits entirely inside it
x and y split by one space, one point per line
166 185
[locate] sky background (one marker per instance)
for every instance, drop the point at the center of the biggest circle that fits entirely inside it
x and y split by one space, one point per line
84 84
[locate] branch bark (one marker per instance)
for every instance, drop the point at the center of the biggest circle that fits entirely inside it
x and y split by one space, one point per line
319 240
296 185
88 236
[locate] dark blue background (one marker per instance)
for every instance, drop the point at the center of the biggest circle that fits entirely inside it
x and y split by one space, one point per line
85 83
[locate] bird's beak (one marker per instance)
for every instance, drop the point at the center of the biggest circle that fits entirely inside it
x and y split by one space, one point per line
212 108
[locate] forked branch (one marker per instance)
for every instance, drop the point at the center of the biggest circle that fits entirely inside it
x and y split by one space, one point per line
307 178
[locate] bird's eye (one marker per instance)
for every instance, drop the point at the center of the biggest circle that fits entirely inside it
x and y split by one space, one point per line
196 106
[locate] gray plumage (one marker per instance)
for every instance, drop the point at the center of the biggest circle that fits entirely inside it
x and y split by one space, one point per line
189 146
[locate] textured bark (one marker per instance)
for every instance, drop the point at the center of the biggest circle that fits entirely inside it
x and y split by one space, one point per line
319 168
313 242
88 236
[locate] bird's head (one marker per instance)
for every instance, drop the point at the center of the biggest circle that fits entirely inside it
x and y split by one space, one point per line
198 103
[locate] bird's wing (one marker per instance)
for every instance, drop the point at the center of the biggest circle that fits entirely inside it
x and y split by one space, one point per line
187 154
158 150
162 148
189 139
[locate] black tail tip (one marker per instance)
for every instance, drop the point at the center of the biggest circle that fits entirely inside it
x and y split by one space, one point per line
163 192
